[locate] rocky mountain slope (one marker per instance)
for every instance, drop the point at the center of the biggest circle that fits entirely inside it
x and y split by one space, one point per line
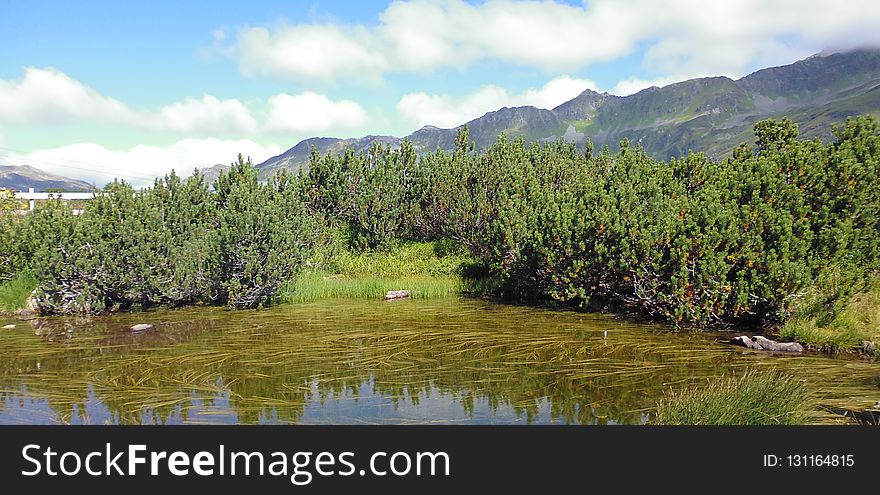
711 114
22 177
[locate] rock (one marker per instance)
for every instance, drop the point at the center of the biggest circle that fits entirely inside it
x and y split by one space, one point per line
760 343
396 294
30 309
31 303
142 327
8 327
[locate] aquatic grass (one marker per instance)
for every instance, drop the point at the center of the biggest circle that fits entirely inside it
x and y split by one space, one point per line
315 286
14 292
753 398
427 270
211 365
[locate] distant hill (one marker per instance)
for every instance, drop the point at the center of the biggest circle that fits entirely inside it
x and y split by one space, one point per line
710 114
23 177
211 173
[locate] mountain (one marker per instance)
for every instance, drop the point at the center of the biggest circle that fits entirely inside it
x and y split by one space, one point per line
211 173
23 177
709 114
297 156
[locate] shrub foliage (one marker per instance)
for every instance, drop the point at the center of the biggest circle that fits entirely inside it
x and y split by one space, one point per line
692 240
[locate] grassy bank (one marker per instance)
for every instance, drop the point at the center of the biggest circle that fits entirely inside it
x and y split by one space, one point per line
850 329
753 398
14 293
427 270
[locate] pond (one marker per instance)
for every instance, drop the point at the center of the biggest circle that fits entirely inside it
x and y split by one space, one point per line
454 360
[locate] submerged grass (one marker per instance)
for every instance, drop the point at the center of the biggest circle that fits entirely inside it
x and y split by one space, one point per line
856 327
427 270
753 398
14 293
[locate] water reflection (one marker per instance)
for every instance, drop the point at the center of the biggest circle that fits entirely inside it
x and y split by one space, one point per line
349 361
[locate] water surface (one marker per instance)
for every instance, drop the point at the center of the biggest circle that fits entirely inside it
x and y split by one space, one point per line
353 361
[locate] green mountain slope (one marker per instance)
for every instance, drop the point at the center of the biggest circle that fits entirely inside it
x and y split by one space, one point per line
710 114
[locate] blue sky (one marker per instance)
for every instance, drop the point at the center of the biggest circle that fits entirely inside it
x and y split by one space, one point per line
98 89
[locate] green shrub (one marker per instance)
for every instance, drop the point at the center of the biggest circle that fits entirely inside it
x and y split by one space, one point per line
264 235
175 243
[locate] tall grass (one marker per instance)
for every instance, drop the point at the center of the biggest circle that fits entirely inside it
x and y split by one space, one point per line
14 292
753 398
427 270
846 329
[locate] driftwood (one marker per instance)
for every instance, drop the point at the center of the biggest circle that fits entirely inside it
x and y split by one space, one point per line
760 343
141 327
396 294
8 327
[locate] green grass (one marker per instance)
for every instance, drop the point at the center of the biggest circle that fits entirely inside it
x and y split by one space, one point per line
427 270
846 331
753 398
14 293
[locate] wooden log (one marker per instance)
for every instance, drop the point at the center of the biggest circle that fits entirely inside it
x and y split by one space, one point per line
396 294
760 343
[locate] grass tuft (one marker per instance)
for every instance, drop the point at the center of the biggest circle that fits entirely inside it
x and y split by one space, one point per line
427 270
847 330
14 292
754 398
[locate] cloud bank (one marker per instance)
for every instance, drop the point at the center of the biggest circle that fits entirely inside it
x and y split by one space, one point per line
681 37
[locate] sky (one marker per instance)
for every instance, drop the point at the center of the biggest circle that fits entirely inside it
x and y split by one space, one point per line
106 89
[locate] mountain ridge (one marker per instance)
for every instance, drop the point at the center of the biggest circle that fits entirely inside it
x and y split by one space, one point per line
23 177
708 114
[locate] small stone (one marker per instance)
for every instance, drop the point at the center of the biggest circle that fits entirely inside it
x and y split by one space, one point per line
396 294
8 327
142 327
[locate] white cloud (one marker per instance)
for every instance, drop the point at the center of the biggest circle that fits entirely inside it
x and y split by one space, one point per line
556 92
310 112
445 111
633 85
48 96
680 36
307 52
140 164
422 109
208 115
45 97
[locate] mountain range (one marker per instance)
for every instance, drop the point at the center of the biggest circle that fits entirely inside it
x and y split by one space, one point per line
23 177
708 114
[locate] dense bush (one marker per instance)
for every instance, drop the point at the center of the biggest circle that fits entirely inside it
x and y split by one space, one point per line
264 234
690 240
173 244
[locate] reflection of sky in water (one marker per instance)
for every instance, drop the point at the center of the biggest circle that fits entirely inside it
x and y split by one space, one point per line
364 407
